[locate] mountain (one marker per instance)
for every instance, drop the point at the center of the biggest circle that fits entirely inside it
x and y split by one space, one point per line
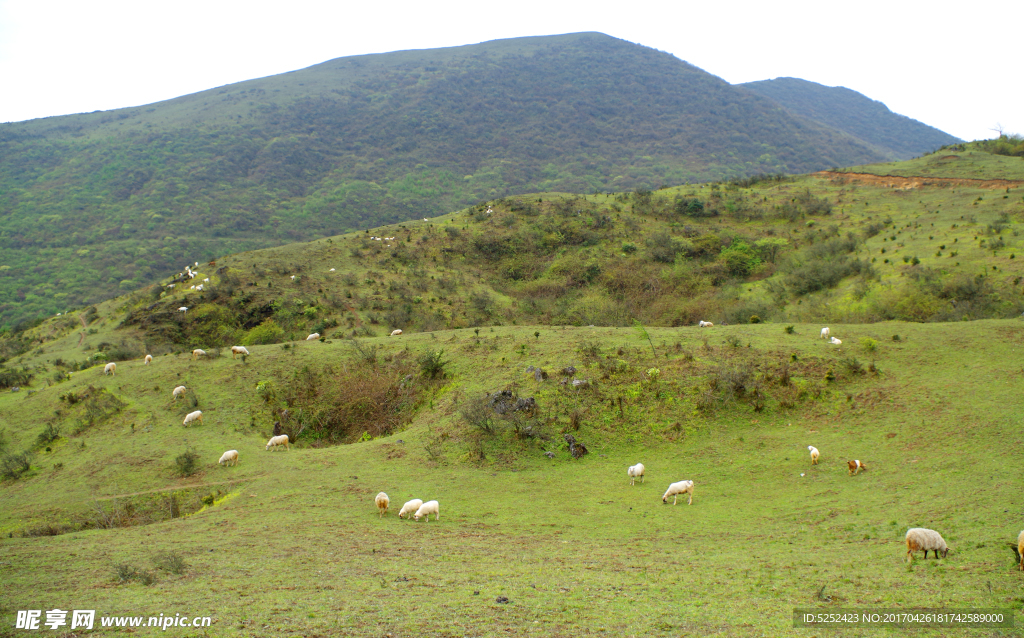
855 114
100 203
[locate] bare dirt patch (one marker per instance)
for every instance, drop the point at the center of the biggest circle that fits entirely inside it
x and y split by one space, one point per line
907 183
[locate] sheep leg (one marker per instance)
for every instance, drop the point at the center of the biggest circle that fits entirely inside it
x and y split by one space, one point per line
690 502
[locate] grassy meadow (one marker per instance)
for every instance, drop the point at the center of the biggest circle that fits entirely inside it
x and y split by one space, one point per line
290 543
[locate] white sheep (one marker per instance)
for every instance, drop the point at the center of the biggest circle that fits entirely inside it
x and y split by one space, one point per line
814 454
675 489
1020 549
382 502
238 350
183 309
635 471
331 270
206 281
109 368
410 508
919 538
278 440
178 392
706 324
313 337
230 457
825 332
395 333
198 353
148 360
835 342
428 508
193 416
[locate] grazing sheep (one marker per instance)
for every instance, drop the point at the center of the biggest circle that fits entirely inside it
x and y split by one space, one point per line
395 333
706 324
148 359
193 416
1020 549
382 502
313 337
674 490
183 309
635 471
919 538
825 332
410 508
178 392
230 457
109 368
238 350
428 508
198 353
814 454
278 440
856 466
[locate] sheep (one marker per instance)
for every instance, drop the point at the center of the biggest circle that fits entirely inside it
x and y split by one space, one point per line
835 342
814 454
178 392
313 337
230 457
674 490
919 538
198 353
278 440
109 369
410 508
428 508
148 360
856 466
238 350
825 332
193 416
382 502
1020 549
395 333
635 471
183 309
706 324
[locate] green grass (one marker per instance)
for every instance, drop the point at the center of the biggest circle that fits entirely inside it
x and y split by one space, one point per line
296 547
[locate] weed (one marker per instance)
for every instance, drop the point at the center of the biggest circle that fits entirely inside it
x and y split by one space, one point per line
868 344
171 561
733 341
126 572
790 330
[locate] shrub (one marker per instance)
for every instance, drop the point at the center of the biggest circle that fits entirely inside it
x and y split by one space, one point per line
265 333
187 463
12 466
790 330
50 433
869 344
432 364
477 413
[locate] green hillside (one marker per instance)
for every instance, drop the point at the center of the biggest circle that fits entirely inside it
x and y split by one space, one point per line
854 246
290 542
855 114
96 204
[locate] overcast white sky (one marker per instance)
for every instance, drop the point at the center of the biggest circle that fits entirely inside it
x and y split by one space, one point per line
955 67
